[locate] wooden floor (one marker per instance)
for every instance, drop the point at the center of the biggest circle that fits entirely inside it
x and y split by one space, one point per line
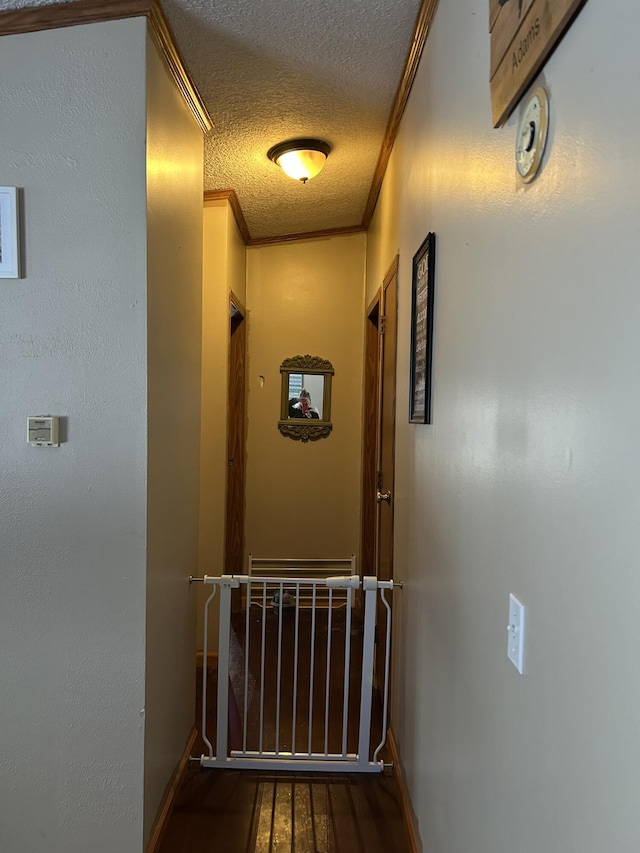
238 811
241 811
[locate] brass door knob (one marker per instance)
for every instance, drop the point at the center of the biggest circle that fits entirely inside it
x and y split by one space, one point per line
383 496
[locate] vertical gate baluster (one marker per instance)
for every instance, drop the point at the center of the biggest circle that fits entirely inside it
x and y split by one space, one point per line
312 661
295 672
347 664
328 681
262 652
246 665
279 675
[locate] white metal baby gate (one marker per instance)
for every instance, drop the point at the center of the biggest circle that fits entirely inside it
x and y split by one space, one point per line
275 690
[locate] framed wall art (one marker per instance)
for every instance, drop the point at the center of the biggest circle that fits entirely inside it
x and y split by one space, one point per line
9 233
422 331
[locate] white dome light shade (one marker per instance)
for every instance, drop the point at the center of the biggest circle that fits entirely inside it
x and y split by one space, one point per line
300 159
301 165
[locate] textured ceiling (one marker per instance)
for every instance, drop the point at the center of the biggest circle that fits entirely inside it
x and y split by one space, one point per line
271 70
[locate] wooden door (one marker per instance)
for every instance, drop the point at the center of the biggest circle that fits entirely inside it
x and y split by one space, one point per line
371 407
379 443
234 527
385 452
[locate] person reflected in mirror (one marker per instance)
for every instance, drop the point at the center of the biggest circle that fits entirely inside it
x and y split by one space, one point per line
303 408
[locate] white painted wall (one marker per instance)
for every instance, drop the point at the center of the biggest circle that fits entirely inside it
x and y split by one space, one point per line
174 312
73 520
527 481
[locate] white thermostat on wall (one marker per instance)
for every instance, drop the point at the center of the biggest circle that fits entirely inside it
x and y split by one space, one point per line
43 431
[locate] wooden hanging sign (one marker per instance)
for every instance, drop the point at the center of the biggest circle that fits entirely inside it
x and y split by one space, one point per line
523 36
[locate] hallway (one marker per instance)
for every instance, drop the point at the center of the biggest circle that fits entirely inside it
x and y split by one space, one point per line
235 811
241 811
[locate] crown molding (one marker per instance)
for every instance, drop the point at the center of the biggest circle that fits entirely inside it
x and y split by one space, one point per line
166 43
421 31
232 198
307 235
36 18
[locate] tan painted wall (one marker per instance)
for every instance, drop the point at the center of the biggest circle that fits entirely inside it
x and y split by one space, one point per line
236 259
174 318
224 270
215 352
527 481
305 297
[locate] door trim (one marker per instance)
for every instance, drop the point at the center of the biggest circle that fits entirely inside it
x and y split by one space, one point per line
235 446
371 392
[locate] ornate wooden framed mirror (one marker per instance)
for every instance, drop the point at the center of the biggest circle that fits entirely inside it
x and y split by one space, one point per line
305 410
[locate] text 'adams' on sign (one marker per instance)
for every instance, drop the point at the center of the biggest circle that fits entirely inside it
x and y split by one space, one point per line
523 35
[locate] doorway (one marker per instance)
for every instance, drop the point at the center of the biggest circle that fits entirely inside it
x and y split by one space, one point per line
236 415
378 452
386 433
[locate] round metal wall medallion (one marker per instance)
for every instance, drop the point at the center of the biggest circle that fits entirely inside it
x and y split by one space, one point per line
532 135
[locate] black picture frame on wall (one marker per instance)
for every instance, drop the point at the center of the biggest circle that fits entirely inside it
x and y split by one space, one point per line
423 281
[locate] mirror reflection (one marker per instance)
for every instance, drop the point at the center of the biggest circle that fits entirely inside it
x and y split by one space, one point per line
305 413
305 397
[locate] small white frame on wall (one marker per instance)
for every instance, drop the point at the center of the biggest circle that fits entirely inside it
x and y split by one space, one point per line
9 233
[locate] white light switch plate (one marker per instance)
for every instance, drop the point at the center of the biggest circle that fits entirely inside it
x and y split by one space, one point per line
515 630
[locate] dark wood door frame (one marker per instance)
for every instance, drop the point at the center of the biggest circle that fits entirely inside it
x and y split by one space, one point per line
379 402
369 509
236 415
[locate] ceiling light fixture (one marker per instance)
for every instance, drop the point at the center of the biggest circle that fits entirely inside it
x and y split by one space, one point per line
300 159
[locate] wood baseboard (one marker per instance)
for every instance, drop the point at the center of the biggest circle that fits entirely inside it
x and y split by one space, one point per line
165 812
212 660
405 801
